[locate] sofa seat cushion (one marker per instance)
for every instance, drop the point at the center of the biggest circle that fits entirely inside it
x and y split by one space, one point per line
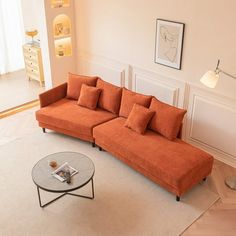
176 164
68 115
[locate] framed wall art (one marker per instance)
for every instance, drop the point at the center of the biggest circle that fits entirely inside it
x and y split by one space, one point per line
169 43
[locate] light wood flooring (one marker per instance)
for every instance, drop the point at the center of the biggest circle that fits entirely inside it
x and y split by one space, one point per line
16 89
20 108
220 219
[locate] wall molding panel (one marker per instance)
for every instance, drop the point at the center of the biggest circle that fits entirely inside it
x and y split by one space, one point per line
109 70
210 120
166 89
210 124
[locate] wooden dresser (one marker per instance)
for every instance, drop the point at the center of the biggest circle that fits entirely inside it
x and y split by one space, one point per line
33 63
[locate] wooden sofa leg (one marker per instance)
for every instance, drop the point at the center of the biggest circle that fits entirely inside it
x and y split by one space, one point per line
100 149
44 130
93 144
177 198
204 179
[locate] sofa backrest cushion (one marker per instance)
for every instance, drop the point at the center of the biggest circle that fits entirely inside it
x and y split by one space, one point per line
129 98
167 119
110 96
139 118
89 96
75 82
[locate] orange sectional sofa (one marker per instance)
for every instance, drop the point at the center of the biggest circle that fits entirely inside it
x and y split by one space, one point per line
138 129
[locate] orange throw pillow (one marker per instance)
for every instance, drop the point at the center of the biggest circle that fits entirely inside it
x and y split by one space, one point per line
129 98
75 82
139 118
167 119
89 96
110 96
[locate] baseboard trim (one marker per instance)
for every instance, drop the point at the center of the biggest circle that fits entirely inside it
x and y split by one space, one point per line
20 108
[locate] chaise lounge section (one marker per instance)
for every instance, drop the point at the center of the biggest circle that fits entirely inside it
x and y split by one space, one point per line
175 165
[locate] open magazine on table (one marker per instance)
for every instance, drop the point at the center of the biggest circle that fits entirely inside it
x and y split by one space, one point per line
60 172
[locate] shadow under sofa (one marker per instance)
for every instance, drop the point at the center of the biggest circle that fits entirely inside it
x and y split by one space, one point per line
173 164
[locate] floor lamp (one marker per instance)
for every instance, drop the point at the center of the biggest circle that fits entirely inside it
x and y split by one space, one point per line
210 79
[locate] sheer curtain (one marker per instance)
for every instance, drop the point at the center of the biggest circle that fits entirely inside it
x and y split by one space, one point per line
11 36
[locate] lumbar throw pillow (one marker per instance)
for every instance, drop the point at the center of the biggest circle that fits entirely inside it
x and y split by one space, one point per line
75 82
110 96
129 98
167 119
89 96
139 118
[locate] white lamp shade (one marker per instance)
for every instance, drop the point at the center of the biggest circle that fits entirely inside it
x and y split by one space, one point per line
210 79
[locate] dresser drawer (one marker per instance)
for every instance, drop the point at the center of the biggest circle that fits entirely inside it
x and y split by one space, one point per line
32 71
33 62
30 49
31 57
32 52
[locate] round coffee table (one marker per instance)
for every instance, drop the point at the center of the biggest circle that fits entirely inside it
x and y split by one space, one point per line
43 178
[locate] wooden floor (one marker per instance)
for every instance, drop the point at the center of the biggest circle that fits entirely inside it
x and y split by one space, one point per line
20 108
16 89
220 219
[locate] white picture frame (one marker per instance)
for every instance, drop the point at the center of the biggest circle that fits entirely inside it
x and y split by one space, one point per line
169 43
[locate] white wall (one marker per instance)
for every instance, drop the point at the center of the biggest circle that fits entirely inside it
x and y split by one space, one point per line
116 40
32 16
125 31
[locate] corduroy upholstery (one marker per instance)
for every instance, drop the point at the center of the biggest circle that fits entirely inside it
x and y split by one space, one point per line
167 119
110 96
175 165
89 96
139 118
75 82
52 95
67 115
129 98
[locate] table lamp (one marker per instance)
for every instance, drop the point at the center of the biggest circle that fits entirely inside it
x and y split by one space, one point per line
31 33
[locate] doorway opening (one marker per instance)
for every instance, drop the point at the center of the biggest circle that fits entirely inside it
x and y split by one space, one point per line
16 86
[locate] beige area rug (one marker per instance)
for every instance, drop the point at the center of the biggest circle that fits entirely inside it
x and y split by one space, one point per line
126 203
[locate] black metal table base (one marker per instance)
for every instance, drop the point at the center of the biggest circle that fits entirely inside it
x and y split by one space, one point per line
66 193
